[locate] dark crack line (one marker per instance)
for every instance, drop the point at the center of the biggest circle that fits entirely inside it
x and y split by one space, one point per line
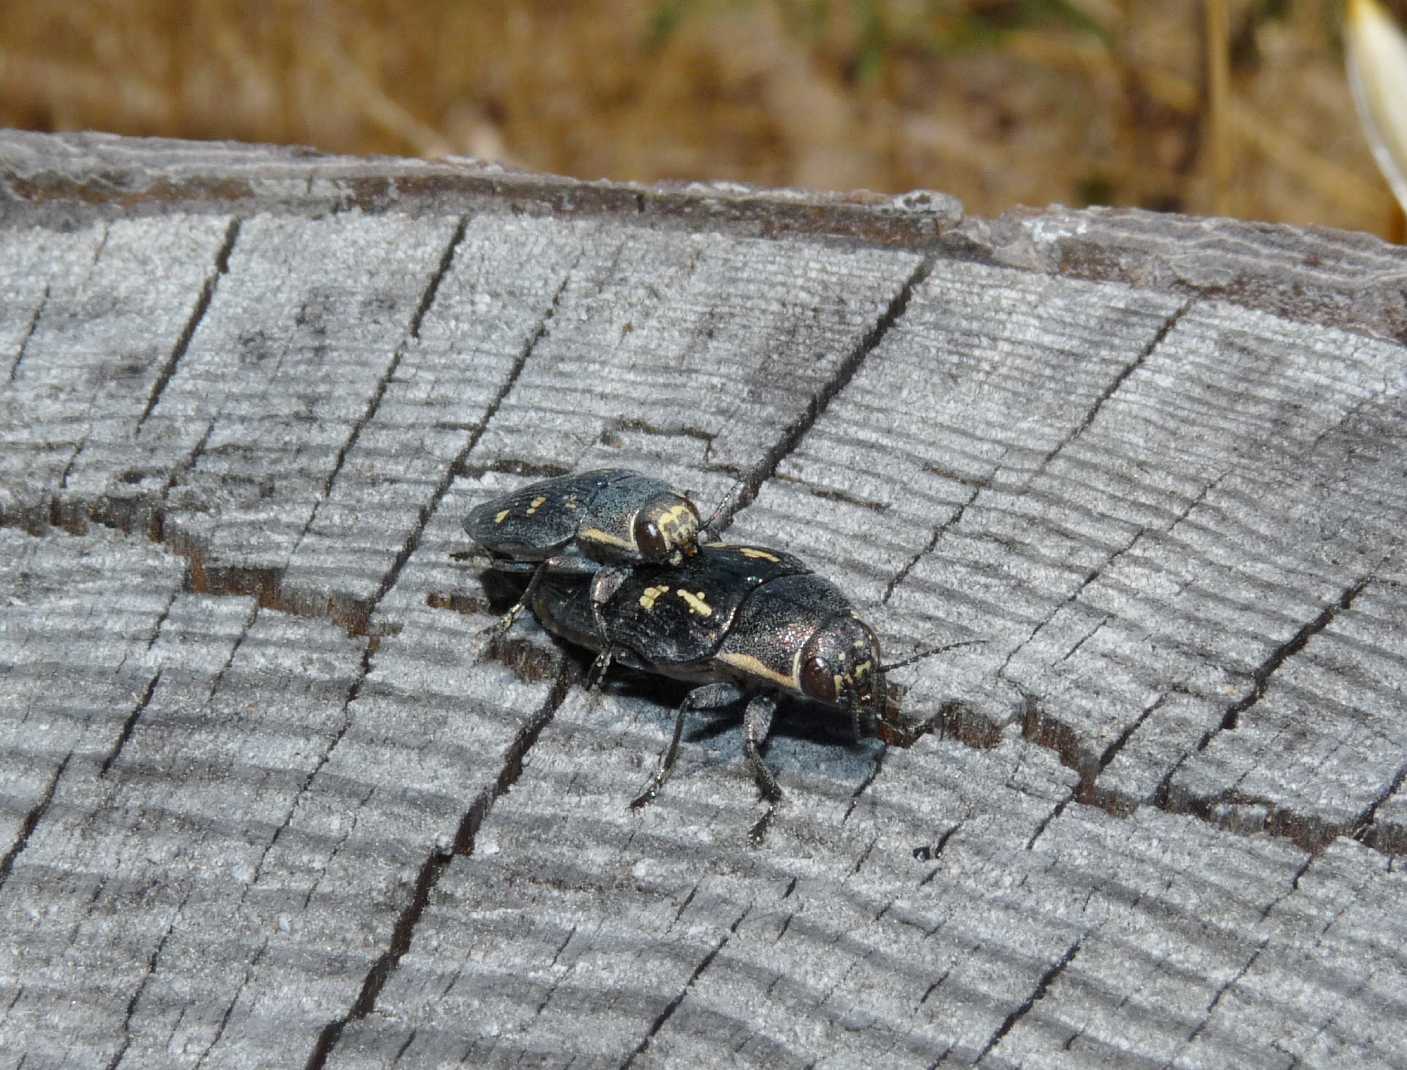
229 1008
674 1003
1216 999
28 334
562 947
129 724
364 670
1114 385
202 305
396 1060
54 507
1089 577
31 821
1278 656
1364 827
1085 639
928 992
875 767
351 829
162 617
938 533
796 431
1042 987
1260 681
1100 569
157 531
1084 791
864 857
153 962
219 677
829 494
433 868
427 300
1291 890
442 488
682 907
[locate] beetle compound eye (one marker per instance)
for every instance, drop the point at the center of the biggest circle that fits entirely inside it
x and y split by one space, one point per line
649 539
818 679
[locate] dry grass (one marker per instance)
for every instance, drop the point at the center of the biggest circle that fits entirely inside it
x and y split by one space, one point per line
998 101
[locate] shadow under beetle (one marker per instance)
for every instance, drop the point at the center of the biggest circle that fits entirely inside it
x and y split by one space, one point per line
610 520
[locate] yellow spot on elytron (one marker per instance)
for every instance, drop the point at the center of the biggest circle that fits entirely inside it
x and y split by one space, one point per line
696 603
751 666
748 551
537 503
501 517
647 600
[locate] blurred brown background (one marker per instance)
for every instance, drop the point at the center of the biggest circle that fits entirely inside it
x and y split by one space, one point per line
1000 102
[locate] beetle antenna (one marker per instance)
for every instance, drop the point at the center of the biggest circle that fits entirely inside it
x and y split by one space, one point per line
723 503
928 653
881 695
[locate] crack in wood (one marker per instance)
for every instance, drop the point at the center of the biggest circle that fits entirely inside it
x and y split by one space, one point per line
1088 578
1260 681
28 334
1062 739
433 868
353 691
1261 676
130 722
249 969
153 961
674 1003
1215 1000
202 305
425 512
219 676
31 820
1115 384
830 494
427 300
928 548
1038 993
791 437
1365 828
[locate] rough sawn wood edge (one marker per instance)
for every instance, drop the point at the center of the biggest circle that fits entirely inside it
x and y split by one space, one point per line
1352 281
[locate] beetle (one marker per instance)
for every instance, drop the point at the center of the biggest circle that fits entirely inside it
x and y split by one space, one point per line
743 623
608 519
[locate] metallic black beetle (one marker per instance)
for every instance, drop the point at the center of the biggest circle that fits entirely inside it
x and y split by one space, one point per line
580 524
744 622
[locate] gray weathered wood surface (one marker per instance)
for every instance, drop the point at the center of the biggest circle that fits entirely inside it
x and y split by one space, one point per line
264 805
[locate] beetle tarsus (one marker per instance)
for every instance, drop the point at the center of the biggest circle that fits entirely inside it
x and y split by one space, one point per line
701 698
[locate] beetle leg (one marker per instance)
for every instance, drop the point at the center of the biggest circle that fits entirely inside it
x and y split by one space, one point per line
604 585
757 722
709 695
496 631
597 672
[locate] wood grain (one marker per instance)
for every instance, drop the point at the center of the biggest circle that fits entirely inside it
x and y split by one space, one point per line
265 802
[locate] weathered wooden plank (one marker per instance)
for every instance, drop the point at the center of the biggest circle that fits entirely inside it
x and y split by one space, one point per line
1155 463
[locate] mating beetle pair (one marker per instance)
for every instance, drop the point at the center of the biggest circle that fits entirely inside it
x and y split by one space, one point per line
616 566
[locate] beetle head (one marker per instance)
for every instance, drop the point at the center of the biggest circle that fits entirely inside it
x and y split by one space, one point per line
840 665
666 529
